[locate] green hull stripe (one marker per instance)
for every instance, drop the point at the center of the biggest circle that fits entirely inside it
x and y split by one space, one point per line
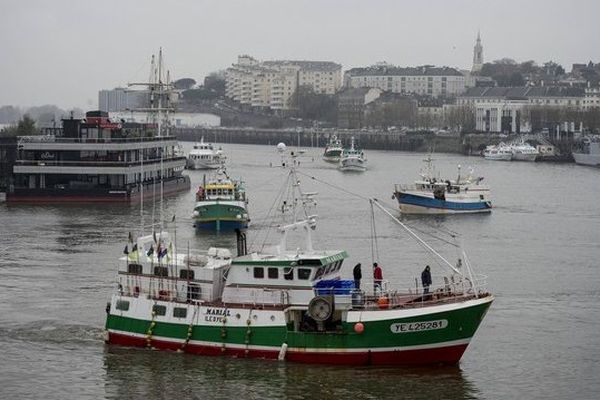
461 324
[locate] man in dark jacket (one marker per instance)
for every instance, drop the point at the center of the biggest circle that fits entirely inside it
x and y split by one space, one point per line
426 279
357 276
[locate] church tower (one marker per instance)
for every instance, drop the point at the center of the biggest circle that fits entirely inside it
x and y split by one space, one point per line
477 55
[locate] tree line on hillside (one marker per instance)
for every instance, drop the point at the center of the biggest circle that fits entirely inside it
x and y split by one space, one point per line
508 72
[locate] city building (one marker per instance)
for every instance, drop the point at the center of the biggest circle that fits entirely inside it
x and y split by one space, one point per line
592 98
352 106
271 84
121 99
425 80
506 109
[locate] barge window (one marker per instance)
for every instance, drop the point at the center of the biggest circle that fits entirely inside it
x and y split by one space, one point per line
304 273
134 268
186 274
259 272
273 273
122 305
161 271
179 312
288 273
159 310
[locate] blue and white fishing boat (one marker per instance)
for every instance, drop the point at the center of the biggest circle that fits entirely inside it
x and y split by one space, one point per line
431 195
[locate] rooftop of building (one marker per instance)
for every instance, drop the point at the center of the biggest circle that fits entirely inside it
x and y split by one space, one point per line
524 92
355 93
306 65
425 70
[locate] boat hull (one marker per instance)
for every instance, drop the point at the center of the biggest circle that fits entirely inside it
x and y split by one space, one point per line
96 195
498 157
424 335
197 164
524 157
331 159
411 203
587 159
221 215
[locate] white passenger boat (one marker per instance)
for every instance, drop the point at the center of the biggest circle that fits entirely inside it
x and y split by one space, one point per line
523 151
499 152
205 156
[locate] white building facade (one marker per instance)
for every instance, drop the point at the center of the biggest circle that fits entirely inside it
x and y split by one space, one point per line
426 80
271 84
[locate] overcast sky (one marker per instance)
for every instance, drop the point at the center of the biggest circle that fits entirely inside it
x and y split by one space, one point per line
62 52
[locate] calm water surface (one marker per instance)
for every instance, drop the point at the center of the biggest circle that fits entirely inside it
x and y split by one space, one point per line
540 249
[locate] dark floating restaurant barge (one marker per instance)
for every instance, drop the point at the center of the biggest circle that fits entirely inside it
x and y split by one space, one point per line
97 160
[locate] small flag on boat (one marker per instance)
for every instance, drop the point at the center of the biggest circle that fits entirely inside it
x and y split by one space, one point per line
163 253
154 237
170 252
126 250
134 255
150 251
173 220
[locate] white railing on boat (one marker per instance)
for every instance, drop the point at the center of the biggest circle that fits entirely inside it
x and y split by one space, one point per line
453 288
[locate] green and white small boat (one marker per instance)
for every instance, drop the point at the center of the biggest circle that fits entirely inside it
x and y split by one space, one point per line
333 150
221 204
289 304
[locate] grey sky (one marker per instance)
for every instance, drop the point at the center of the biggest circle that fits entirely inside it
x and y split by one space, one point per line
62 52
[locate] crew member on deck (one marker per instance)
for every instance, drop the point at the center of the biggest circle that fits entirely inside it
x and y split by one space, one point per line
357 276
377 277
426 279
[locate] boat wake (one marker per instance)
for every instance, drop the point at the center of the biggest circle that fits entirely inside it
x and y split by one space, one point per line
54 332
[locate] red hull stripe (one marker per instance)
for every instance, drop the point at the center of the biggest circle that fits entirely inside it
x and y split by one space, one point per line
439 355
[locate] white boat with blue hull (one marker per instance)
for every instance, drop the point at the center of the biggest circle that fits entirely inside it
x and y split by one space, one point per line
431 195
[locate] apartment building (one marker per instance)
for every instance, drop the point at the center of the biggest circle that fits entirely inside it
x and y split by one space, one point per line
426 80
271 84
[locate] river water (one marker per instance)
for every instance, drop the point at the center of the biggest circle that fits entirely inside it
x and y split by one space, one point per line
540 249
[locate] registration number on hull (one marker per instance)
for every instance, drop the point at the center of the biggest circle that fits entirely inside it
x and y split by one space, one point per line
408 327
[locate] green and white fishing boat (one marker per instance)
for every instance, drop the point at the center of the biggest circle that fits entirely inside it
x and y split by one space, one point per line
333 150
221 204
289 304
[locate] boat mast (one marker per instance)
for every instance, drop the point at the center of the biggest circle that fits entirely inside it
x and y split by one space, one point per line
416 237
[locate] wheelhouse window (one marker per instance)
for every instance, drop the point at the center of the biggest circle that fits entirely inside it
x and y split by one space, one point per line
159 309
161 271
273 273
288 273
122 305
259 272
134 268
319 272
186 274
179 312
304 273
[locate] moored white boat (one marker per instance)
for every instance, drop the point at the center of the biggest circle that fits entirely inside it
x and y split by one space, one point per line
499 152
205 156
523 151
587 151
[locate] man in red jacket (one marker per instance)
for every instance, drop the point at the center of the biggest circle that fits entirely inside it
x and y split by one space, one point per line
377 277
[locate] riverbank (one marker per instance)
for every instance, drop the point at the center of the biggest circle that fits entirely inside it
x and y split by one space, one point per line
469 144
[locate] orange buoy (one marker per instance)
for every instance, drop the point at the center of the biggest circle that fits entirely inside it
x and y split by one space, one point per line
359 327
383 302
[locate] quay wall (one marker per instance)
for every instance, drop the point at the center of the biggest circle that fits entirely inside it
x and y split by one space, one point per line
466 144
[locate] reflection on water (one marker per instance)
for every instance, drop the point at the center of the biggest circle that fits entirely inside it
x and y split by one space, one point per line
134 373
